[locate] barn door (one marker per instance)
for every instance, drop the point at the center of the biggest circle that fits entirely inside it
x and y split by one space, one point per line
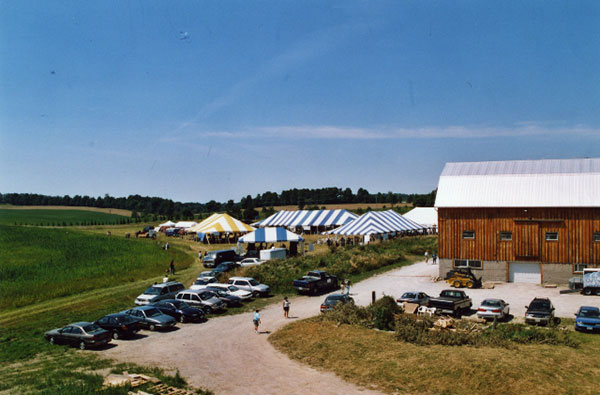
527 243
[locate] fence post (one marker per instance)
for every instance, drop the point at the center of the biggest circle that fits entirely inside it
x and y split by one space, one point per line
373 297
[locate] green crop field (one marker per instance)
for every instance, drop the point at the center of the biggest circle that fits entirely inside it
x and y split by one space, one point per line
59 217
38 264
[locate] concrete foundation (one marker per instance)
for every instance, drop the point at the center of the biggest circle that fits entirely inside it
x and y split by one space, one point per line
552 273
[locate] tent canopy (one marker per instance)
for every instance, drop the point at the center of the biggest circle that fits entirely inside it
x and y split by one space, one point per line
168 223
270 235
377 222
185 224
221 223
426 216
308 218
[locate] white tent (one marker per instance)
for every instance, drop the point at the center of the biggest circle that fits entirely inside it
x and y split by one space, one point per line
185 224
426 216
168 223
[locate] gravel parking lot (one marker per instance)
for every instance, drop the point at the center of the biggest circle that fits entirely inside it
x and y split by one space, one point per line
226 356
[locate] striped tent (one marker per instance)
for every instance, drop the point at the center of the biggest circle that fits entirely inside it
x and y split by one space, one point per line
221 223
270 235
308 218
377 222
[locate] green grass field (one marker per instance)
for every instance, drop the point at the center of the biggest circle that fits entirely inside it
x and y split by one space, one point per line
40 264
58 217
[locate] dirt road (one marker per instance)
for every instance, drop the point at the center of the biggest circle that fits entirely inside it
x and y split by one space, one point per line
226 356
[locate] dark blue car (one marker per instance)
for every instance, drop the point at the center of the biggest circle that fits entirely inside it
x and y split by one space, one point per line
588 319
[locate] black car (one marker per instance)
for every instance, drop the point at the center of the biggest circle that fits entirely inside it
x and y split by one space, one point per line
225 267
81 334
230 300
120 325
333 300
539 311
420 298
180 310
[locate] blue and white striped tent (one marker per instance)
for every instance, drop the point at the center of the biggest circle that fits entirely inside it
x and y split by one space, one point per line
270 235
377 222
308 218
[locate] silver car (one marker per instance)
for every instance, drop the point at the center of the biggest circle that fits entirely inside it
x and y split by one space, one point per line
203 299
493 308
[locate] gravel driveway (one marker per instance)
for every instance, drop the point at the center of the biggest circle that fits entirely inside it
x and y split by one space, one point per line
226 356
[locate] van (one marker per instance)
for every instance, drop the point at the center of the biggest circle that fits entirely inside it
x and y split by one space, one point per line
214 258
202 299
158 292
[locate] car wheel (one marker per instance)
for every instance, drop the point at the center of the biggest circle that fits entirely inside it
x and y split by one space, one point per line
587 291
456 284
51 340
182 318
115 335
152 327
82 346
255 294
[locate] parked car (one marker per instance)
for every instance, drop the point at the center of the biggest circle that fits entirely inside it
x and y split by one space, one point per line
451 301
333 300
201 298
203 282
81 334
493 308
120 325
214 258
420 298
250 284
539 311
587 319
206 274
224 267
250 262
150 317
315 282
180 310
230 300
233 290
158 292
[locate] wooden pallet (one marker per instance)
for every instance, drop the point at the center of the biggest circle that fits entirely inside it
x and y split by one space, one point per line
163 389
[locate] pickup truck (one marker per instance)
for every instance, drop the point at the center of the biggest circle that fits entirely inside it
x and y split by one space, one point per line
316 281
452 302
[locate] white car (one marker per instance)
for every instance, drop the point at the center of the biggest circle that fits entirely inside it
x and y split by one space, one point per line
250 284
491 308
203 282
250 262
232 290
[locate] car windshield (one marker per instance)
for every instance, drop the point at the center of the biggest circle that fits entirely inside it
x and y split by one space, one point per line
219 292
491 303
254 282
92 328
152 291
179 304
200 282
409 295
539 305
152 312
233 288
206 295
590 313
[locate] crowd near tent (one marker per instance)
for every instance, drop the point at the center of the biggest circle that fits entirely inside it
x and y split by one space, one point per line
308 220
219 225
378 223
426 216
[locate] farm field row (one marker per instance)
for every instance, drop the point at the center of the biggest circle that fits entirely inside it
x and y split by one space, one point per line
56 217
116 211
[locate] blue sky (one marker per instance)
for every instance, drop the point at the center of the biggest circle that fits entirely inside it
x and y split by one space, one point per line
201 100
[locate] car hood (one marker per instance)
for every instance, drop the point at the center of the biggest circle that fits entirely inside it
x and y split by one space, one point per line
190 311
588 320
53 331
163 319
262 287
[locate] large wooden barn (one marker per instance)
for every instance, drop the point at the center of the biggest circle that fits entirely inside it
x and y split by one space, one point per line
520 221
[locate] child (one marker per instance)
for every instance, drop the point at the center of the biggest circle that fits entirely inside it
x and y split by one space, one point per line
286 307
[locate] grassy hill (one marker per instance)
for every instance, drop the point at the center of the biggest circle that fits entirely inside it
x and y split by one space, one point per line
58 217
39 264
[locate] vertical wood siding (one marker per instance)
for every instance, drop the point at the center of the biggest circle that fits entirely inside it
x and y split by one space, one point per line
575 228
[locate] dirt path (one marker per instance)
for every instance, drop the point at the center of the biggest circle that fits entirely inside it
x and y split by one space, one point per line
226 356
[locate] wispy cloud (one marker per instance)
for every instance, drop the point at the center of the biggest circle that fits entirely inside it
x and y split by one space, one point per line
354 133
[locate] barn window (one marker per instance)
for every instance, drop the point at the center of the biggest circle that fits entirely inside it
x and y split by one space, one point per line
596 237
468 234
551 236
467 263
505 236
578 267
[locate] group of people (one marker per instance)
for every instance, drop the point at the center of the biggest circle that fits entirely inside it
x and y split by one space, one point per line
286 314
434 257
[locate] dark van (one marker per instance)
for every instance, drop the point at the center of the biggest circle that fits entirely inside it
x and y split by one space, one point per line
214 258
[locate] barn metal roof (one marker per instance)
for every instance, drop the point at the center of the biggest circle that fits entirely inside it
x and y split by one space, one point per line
521 183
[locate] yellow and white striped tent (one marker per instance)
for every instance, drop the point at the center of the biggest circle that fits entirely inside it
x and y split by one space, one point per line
221 223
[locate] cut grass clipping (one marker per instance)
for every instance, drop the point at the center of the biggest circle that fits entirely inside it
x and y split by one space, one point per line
385 314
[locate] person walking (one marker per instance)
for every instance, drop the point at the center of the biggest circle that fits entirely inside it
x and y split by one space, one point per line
347 287
426 256
434 258
172 267
286 307
256 321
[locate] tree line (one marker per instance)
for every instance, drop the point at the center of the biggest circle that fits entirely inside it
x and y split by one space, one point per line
147 207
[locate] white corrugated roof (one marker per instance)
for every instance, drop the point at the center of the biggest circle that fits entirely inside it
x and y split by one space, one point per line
521 183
